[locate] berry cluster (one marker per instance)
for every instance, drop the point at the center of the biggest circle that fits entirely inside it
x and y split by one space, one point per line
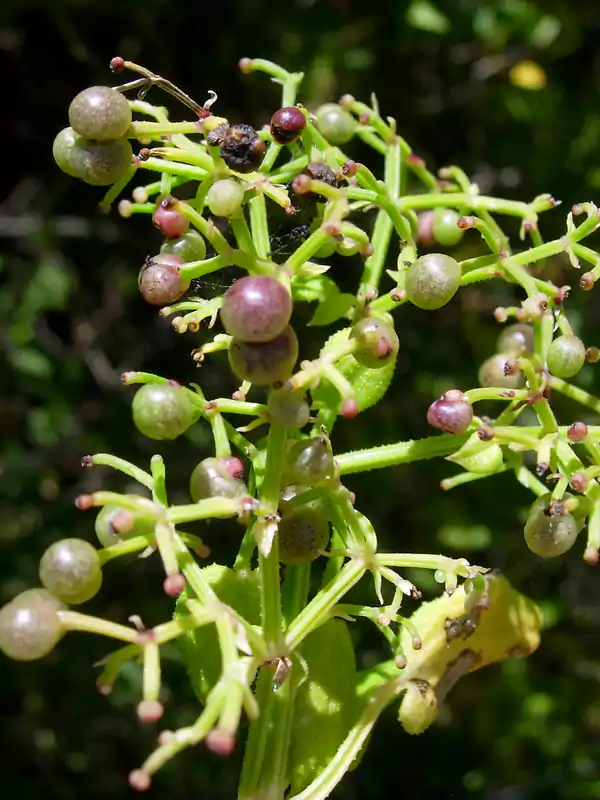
286 489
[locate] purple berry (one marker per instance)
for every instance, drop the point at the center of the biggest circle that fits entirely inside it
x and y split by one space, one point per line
256 309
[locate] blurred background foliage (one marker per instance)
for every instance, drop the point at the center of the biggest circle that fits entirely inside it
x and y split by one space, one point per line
508 89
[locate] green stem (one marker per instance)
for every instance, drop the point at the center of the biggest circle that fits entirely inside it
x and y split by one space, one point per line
400 453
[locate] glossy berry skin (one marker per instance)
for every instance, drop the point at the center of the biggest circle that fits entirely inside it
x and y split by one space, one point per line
170 222
309 462
287 124
550 535
162 411
265 363
61 150
288 409
445 230
100 163
566 356
432 281
190 247
491 373
100 113
240 147
211 478
30 627
303 534
450 413
336 125
160 281
70 570
378 343
516 339
256 309
225 198
113 525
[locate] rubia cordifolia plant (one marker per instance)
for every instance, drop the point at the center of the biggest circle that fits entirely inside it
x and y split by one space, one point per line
267 646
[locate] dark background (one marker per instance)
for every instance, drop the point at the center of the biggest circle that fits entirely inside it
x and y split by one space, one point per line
71 322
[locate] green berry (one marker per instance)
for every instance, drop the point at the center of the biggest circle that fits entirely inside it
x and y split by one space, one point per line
100 113
303 535
288 409
347 246
492 373
162 411
70 569
61 150
566 356
100 163
211 478
336 125
378 343
550 534
445 230
30 627
114 524
189 247
309 461
225 198
432 281
516 339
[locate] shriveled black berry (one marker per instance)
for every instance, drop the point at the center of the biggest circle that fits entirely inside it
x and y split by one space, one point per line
240 146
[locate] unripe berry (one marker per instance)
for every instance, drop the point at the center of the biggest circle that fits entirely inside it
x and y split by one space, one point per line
162 411
308 462
432 281
303 535
288 409
548 534
493 372
445 230
566 356
100 113
287 124
100 163
377 342
30 627
225 198
425 237
336 125
212 478
450 413
577 432
70 569
62 148
256 309
189 247
516 339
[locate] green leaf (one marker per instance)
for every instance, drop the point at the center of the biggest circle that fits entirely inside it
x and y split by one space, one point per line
308 288
200 651
483 458
333 308
426 17
369 384
326 704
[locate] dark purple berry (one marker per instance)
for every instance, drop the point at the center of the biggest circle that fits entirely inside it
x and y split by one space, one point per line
450 413
265 363
377 342
170 222
287 124
160 281
100 113
70 570
256 309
